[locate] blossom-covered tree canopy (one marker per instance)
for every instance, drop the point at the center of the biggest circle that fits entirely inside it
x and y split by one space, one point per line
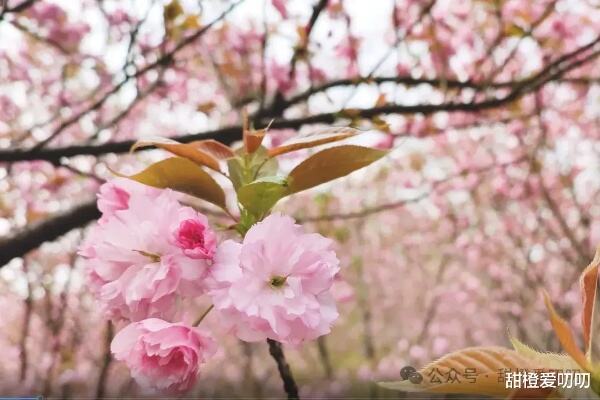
260 198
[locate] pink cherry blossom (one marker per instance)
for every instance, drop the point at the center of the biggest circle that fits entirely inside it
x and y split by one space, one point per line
161 355
281 7
280 73
276 284
114 195
194 236
141 258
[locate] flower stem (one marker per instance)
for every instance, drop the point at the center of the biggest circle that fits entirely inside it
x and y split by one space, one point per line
203 315
289 384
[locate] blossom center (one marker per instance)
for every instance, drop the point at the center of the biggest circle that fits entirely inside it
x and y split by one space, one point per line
277 281
154 257
191 234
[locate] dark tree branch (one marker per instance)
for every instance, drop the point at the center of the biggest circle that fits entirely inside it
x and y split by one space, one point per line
289 384
317 10
54 155
301 50
24 5
50 229
29 239
21 6
228 135
410 81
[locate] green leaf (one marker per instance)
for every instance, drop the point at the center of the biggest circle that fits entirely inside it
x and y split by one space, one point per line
245 223
236 170
330 164
264 165
246 168
261 195
184 176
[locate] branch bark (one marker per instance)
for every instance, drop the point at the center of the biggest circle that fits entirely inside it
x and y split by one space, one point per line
289 384
48 230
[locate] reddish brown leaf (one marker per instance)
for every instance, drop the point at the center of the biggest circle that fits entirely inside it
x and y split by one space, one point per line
313 139
565 335
214 148
253 140
189 151
588 282
329 164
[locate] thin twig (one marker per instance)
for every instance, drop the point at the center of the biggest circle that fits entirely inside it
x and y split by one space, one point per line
289 384
204 314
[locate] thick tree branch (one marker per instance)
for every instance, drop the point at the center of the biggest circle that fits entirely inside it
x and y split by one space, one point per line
551 72
410 81
231 134
50 229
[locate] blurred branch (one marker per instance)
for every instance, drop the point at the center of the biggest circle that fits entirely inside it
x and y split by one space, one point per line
250 379
24 5
39 37
141 95
55 317
50 229
410 81
302 49
56 226
28 306
583 254
502 35
324 356
163 60
551 72
54 155
395 204
106 360
364 212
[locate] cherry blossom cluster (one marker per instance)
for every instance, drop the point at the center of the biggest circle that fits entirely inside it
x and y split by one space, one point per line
148 252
